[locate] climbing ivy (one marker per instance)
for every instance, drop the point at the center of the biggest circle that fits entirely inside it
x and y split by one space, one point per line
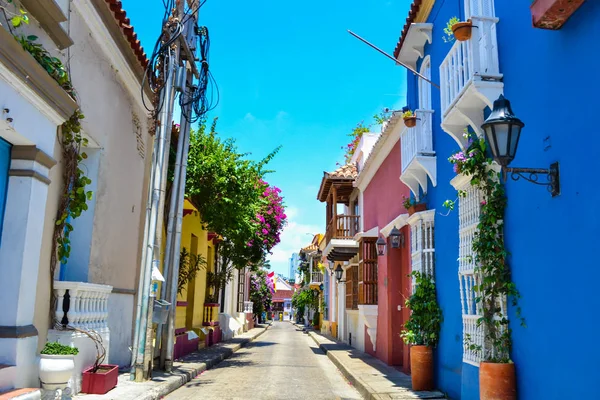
494 278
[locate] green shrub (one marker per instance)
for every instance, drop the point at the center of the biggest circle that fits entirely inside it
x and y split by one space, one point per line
57 349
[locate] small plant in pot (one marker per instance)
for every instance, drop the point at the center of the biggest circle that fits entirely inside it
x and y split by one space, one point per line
412 206
57 362
410 119
455 29
421 331
99 378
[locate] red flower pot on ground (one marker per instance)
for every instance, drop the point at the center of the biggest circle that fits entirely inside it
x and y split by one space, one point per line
101 381
497 381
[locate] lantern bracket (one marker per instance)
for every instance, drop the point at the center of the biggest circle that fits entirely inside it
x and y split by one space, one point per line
532 175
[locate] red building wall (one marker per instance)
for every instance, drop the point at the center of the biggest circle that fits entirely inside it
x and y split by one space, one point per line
382 204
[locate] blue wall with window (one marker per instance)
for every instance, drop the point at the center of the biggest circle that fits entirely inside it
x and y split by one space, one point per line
4 167
550 240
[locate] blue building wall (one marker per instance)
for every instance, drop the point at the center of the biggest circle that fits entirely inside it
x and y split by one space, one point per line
549 79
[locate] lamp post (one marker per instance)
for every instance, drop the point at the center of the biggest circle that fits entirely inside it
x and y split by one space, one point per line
397 238
381 246
503 130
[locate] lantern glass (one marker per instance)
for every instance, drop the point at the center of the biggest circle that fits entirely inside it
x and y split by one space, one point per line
503 131
380 246
338 273
395 238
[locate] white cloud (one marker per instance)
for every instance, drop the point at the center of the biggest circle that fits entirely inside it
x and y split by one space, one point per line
249 117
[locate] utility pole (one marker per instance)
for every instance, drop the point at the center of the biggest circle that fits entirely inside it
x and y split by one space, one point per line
176 47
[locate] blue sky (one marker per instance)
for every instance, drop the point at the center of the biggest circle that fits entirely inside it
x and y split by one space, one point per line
289 74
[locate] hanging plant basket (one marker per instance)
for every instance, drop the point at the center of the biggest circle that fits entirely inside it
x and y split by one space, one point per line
462 30
497 381
410 122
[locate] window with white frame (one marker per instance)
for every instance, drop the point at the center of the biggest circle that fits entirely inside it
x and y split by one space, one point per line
422 242
469 206
424 86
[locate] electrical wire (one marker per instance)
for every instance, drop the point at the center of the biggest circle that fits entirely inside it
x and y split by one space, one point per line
203 96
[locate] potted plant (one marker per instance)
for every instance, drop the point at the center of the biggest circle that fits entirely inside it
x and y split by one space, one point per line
99 378
421 331
455 29
410 119
57 362
412 206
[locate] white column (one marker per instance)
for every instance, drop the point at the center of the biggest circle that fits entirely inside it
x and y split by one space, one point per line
20 254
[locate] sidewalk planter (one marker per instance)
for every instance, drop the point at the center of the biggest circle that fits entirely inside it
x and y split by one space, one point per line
421 368
462 30
56 370
553 14
416 208
497 381
101 381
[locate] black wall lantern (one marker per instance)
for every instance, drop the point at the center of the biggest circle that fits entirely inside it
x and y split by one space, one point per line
397 238
339 272
503 131
380 246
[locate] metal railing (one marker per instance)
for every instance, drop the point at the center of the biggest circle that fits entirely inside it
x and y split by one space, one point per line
418 140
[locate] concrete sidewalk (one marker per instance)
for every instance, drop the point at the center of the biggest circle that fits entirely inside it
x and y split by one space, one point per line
184 370
372 377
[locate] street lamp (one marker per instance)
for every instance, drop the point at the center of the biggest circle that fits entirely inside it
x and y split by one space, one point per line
380 246
396 237
503 131
339 272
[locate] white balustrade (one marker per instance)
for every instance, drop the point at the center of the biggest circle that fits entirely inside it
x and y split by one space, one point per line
87 306
472 335
248 307
316 277
476 58
418 140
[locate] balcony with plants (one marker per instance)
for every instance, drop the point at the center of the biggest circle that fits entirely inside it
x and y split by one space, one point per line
470 78
417 154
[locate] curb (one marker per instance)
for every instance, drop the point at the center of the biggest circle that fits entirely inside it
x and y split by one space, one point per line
356 382
360 385
183 374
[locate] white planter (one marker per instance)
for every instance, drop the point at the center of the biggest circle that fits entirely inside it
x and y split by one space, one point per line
56 370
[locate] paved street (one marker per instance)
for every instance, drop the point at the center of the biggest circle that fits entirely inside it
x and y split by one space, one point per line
283 363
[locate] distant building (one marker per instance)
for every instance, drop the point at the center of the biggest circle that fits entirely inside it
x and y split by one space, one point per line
293 265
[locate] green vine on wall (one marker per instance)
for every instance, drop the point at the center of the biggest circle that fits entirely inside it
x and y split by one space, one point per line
74 196
494 284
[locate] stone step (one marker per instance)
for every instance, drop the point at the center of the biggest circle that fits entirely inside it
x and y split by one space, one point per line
22 394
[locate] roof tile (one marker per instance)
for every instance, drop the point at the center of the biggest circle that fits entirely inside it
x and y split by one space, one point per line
347 171
124 22
412 14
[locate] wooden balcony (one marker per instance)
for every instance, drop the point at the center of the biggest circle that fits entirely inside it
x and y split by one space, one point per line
343 227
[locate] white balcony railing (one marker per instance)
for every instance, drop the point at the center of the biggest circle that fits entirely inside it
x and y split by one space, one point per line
82 305
248 307
418 140
475 59
316 277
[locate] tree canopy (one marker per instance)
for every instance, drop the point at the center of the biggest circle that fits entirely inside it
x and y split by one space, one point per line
233 198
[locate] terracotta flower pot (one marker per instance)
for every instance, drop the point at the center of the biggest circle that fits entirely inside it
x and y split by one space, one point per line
421 367
497 381
417 208
410 122
462 30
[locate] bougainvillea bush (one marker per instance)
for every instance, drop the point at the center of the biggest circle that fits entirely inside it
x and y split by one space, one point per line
271 218
261 293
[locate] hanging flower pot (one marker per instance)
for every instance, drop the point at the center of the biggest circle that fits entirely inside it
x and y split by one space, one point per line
462 30
410 119
497 381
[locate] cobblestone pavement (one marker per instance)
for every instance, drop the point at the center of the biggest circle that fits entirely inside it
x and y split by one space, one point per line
283 363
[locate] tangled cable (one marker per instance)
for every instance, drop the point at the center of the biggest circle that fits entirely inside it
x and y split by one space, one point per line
205 95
